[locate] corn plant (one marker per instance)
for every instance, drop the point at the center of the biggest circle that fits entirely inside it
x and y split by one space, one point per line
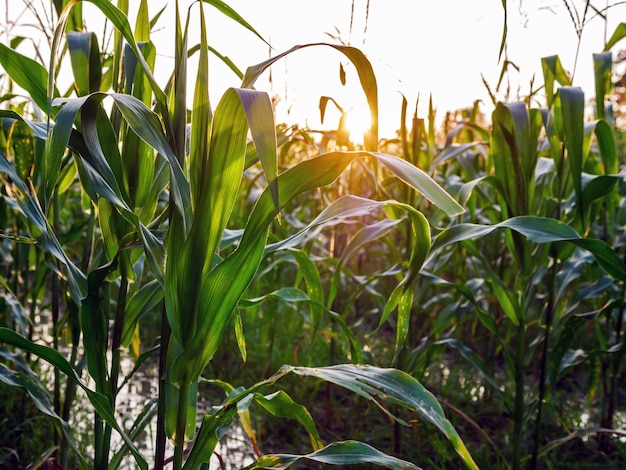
157 185
546 184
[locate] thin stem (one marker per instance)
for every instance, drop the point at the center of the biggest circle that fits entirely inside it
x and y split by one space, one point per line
518 417
181 424
544 367
161 437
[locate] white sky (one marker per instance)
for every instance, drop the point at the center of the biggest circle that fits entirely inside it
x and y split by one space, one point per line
415 47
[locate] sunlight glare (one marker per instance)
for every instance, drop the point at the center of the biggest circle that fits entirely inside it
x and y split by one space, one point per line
358 122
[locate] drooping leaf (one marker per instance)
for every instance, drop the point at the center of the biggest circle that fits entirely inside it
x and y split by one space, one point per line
337 453
98 401
364 70
28 74
393 386
280 404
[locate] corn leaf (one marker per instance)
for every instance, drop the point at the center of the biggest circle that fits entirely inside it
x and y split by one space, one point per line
537 230
618 35
280 404
337 453
364 70
392 386
98 401
28 74
85 60
572 101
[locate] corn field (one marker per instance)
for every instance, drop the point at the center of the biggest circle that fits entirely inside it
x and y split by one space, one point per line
443 298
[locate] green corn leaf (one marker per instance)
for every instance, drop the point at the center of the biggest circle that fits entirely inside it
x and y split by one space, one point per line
315 291
618 35
46 238
147 126
201 117
287 294
280 404
603 71
28 74
553 71
240 336
537 230
173 396
142 23
393 386
572 106
221 289
94 324
606 144
144 420
598 187
337 453
98 401
420 181
508 302
364 70
505 29
404 316
138 157
260 116
142 302
85 60
120 20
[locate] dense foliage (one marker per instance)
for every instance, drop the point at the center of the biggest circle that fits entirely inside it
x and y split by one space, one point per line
455 299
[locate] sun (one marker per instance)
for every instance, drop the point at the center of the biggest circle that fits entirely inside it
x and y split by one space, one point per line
358 123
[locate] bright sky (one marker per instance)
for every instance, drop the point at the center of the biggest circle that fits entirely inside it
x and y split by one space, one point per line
415 47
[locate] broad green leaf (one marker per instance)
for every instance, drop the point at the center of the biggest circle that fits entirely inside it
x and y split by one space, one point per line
420 181
142 24
508 302
260 117
606 144
280 404
143 301
537 230
46 238
94 325
85 60
337 453
603 71
553 71
98 401
572 106
404 316
200 132
315 291
28 74
395 387
120 20
618 35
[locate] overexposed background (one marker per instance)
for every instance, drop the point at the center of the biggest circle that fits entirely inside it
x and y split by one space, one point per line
442 48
